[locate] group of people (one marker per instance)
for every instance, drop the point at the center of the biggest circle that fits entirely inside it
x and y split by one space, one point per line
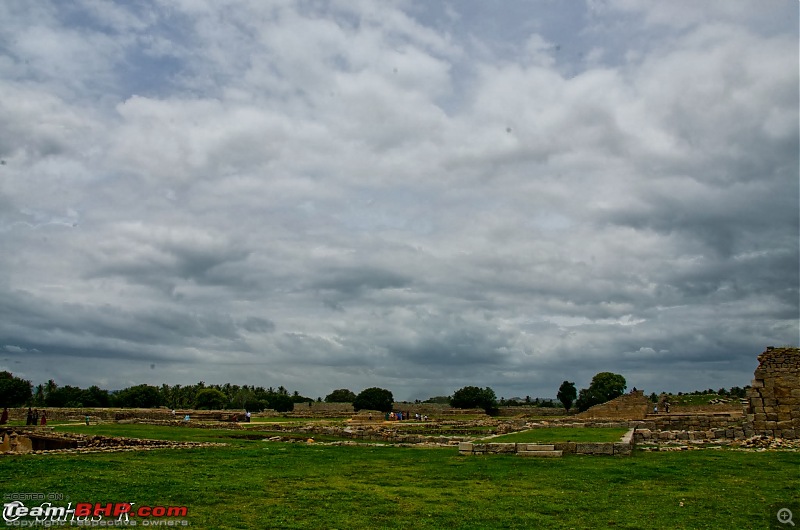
34 419
666 408
400 416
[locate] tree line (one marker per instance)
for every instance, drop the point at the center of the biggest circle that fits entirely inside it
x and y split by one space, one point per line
15 392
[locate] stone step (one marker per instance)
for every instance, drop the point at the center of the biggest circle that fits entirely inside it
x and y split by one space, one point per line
535 447
546 454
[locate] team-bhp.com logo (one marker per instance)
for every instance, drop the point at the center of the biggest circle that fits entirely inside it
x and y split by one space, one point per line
15 513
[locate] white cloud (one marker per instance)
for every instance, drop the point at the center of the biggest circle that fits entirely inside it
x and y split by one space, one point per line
305 193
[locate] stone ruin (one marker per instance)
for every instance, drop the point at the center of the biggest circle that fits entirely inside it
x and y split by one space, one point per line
19 440
773 401
631 406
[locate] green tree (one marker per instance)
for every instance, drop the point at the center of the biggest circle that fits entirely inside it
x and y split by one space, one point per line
14 391
210 399
280 402
374 399
471 397
94 396
139 396
605 386
342 395
66 396
567 394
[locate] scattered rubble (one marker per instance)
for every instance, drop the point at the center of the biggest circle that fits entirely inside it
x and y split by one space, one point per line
45 442
764 443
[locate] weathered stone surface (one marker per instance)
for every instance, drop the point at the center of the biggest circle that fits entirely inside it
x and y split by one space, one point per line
535 447
542 454
565 447
774 396
594 448
501 448
632 406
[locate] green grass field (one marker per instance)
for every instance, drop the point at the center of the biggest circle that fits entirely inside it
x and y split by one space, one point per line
256 484
562 434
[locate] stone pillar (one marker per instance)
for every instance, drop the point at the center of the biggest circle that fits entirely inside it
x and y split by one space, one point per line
773 401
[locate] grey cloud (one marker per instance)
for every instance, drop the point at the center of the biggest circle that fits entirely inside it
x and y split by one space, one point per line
258 325
315 193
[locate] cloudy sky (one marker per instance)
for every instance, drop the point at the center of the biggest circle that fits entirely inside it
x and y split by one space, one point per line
413 195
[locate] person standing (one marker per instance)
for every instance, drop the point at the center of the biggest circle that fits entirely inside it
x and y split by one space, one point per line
4 418
44 418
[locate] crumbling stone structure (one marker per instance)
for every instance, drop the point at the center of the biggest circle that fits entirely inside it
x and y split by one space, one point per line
631 406
773 401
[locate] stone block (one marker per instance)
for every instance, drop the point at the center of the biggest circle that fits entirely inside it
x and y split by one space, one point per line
501 448
535 447
622 449
566 447
541 454
595 448
465 447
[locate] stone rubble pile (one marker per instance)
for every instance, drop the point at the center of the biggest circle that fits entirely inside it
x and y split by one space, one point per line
763 442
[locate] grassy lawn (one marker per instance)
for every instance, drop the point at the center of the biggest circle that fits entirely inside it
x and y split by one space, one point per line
185 434
256 484
562 434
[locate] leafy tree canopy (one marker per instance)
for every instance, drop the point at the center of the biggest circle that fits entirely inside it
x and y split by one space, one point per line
210 399
139 396
374 399
471 397
14 391
342 395
567 394
605 386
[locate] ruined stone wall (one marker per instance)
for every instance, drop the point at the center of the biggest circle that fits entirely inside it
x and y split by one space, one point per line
117 414
78 414
529 411
631 406
773 401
